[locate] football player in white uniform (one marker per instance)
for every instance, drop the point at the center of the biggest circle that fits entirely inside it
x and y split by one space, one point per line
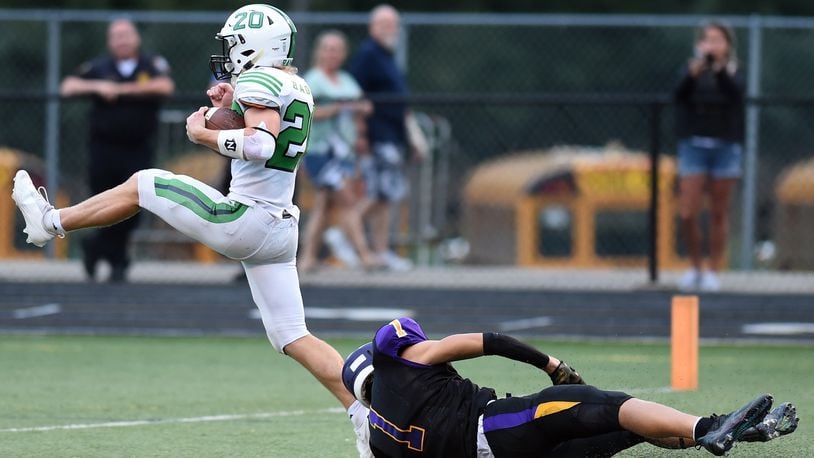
256 223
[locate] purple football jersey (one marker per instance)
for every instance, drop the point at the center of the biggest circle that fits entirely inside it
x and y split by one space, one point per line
395 336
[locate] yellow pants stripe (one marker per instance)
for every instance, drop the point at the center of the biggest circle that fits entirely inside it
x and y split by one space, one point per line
548 408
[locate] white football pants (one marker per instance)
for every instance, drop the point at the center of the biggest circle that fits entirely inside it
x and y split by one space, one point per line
266 245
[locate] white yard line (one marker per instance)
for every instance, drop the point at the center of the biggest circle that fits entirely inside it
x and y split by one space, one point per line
524 323
167 421
33 312
231 417
348 313
778 329
357 314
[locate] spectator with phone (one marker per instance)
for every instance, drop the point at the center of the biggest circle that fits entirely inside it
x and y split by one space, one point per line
710 131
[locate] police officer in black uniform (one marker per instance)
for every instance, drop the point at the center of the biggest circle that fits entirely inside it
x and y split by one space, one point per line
127 88
421 407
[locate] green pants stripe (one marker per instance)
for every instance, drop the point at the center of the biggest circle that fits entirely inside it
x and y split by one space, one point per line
198 202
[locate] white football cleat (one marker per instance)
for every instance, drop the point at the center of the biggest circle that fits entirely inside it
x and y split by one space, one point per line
34 207
360 427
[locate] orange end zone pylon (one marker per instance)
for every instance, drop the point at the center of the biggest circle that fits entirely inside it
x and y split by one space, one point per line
684 343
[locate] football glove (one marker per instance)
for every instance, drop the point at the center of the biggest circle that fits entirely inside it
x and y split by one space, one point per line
566 375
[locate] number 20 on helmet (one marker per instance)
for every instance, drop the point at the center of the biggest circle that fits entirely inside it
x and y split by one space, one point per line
254 36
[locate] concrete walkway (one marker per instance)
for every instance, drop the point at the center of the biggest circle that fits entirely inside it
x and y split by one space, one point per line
486 278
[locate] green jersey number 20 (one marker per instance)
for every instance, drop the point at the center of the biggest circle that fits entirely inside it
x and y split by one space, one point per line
284 158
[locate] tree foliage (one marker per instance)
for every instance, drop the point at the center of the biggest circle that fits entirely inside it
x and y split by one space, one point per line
778 7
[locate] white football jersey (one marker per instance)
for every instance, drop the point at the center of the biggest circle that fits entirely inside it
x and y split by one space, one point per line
271 183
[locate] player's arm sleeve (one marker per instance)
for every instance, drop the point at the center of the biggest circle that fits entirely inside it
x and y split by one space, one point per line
259 146
511 348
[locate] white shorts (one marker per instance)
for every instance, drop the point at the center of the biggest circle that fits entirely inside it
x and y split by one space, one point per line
484 451
266 245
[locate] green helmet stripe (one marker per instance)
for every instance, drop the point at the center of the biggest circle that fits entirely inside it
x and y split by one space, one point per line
293 31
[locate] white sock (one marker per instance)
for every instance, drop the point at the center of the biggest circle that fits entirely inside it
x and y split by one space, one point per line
53 222
356 408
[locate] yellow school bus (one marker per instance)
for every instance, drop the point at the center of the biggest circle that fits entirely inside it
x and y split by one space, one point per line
569 207
794 216
12 238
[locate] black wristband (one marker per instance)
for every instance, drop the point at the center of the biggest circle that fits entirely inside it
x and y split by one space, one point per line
509 347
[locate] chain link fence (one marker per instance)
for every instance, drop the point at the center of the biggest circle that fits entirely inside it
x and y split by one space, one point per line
541 126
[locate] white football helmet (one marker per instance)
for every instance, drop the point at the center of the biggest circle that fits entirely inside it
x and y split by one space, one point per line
254 35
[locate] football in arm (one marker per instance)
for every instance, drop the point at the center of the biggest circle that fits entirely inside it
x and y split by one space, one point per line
223 119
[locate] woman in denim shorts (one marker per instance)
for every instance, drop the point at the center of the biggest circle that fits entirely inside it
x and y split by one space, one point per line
710 127
330 163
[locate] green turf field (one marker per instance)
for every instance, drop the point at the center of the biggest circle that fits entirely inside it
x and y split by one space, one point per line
188 387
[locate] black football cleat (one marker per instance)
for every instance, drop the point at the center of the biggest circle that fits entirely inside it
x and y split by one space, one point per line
726 429
780 421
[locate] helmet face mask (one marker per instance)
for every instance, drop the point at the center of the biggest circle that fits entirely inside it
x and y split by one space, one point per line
367 384
221 64
254 35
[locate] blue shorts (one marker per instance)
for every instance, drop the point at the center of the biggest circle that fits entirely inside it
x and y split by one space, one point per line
383 170
709 156
327 171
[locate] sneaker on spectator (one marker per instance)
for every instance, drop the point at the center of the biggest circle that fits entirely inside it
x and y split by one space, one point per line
340 247
710 281
690 281
395 262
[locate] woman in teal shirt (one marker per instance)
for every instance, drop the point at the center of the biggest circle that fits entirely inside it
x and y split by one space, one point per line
337 133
